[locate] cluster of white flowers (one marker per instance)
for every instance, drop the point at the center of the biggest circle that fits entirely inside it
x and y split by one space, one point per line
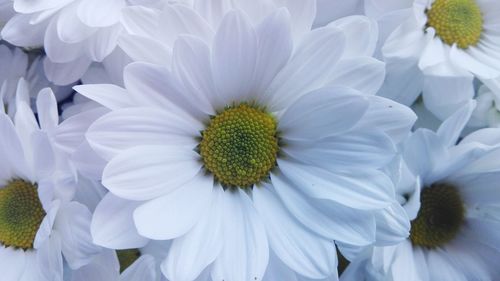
249 140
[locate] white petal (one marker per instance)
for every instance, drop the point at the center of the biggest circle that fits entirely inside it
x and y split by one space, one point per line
47 224
44 161
246 251
356 150
88 162
14 263
364 74
406 42
96 13
102 43
234 58
113 225
126 128
393 225
110 96
140 20
191 63
73 224
27 6
49 259
444 95
303 13
70 134
275 45
191 253
451 128
442 268
213 11
381 115
304 252
66 73
322 113
46 105
12 149
277 270
422 151
353 26
179 19
404 81
433 54
18 31
57 50
145 49
31 272
26 126
309 67
326 218
174 214
163 90
104 267
472 63
146 172
403 266
367 190
142 269
70 29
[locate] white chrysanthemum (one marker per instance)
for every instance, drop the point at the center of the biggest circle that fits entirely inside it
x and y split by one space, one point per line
39 223
73 33
250 143
437 47
450 193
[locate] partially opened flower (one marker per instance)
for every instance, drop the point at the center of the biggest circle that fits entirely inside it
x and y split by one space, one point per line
39 223
251 144
451 195
437 47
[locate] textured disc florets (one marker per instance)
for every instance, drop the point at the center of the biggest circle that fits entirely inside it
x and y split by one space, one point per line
240 145
21 214
456 21
440 217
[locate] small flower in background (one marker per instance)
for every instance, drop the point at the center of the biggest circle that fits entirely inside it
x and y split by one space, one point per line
449 192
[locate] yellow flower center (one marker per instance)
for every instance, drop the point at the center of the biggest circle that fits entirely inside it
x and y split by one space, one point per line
21 214
441 215
456 21
240 145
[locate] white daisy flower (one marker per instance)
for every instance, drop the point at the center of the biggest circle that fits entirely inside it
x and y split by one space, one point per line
73 33
40 225
241 149
437 47
449 192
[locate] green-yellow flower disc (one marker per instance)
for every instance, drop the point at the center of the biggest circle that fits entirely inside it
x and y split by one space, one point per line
456 21
440 218
21 214
240 145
